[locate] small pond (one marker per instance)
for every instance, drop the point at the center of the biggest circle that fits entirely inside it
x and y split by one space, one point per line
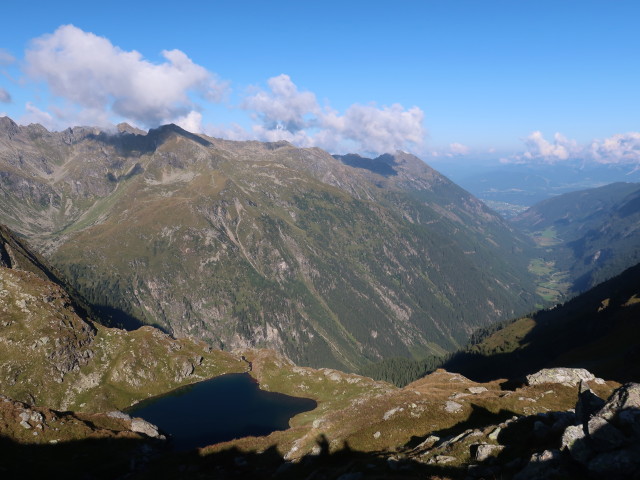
223 408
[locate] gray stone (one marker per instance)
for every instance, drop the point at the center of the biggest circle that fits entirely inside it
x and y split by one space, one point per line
542 466
604 435
119 415
477 390
24 424
442 459
139 425
482 451
36 417
452 407
494 434
625 397
567 376
574 440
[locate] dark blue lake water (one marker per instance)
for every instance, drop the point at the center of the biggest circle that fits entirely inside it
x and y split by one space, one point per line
223 408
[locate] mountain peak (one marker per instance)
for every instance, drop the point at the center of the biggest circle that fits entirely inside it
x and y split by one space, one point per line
8 126
163 132
124 127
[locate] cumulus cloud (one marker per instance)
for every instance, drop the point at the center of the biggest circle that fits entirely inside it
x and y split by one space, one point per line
191 122
539 148
284 107
379 129
5 97
286 113
619 148
93 74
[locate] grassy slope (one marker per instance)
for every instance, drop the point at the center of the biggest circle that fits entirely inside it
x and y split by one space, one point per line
51 356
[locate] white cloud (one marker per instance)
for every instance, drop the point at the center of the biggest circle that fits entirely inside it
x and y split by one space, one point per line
619 148
378 129
284 107
91 73
286 113
191 122
5 97
539 148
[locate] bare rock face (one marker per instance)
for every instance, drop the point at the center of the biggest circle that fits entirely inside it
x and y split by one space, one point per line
567 376
139 425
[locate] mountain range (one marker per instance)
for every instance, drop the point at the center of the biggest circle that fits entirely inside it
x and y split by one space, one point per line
333 261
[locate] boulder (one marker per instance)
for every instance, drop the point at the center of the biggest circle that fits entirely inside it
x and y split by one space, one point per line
482 451
566 376
604 435
139 425
477 390
625 397
547 465
574 440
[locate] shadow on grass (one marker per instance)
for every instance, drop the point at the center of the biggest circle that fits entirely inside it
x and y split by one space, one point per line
102 459
478 418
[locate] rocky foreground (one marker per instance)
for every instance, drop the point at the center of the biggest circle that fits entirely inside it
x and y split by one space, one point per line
562 423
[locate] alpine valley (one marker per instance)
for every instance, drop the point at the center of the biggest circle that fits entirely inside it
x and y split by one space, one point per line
332 261
133 263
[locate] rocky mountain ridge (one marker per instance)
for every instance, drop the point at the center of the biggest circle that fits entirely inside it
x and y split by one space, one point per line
246 244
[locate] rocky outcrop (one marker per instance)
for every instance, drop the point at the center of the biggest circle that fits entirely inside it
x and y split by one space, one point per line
567 376
603 441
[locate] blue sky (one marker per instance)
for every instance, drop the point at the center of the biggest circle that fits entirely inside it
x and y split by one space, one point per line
525 81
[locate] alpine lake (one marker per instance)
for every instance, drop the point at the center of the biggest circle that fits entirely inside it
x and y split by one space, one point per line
220 409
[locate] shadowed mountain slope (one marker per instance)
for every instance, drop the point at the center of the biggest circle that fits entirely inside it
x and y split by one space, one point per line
598 330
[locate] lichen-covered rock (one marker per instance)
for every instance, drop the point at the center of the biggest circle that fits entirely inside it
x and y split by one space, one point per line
567 376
